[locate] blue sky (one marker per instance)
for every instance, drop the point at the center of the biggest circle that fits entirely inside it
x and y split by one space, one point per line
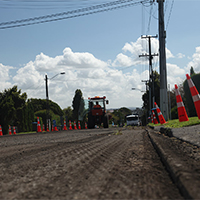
98 52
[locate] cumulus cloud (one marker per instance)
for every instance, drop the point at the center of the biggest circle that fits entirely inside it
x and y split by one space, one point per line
195 63
175 74
180 55
132 50
4 76
93 76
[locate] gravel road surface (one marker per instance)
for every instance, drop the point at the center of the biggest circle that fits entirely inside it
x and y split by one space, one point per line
83 164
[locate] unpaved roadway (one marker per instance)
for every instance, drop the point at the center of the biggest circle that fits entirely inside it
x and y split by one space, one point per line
83 164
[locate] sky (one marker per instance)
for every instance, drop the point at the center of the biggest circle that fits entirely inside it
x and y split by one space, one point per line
99 52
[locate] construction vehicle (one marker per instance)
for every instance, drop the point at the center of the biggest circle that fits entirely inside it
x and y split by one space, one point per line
97 112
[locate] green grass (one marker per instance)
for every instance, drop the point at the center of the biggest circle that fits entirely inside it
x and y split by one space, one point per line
26 132
176 124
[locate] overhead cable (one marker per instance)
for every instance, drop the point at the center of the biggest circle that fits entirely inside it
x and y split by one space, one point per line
72 14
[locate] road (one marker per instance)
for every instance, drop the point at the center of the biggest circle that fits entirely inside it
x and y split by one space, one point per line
83 164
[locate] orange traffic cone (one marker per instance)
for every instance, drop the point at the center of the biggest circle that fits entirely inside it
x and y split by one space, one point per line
14 131
85 125
155 121
55 128
182 115
79 125
47 127
152 117
43 128
1 134
38 125
65 127
10 132
70 125
160 116
195 95
75 128
52 128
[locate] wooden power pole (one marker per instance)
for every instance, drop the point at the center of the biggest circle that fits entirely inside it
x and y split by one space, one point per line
151 76
162 57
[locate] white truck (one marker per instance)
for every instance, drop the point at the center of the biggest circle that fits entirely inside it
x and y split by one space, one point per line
133 120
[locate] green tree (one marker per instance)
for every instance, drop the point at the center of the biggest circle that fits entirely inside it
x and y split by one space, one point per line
13 109
68 113
192 71
145 96
76 103
40 104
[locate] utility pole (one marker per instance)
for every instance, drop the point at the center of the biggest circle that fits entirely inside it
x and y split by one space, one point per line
162 57
146 81
47 103
151 76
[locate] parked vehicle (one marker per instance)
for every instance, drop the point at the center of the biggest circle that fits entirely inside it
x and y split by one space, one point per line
133 120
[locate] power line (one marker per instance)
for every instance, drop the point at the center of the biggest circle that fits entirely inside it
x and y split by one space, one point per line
71 14
170 14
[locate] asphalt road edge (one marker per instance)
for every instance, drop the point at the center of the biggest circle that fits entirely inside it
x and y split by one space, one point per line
181 177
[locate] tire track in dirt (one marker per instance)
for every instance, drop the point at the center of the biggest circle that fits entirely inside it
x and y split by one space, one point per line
99 166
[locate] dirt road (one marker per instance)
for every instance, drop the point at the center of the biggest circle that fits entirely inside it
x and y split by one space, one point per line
84 164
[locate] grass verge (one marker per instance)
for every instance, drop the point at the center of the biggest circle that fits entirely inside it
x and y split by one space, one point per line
176 124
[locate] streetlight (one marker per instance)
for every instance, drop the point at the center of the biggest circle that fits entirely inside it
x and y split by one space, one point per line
137 89
47 98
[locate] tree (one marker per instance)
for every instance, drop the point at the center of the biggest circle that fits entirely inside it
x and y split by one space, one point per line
76 104
40 104
145 96
68 113
192 71
14 109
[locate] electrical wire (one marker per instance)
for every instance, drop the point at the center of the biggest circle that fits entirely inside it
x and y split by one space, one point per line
71 14
170 14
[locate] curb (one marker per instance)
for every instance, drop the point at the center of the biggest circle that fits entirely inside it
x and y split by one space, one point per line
185 180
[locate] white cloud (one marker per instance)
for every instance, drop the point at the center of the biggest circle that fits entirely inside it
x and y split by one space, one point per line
175 74
4 77
195 63
91 75
132 50
180 55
